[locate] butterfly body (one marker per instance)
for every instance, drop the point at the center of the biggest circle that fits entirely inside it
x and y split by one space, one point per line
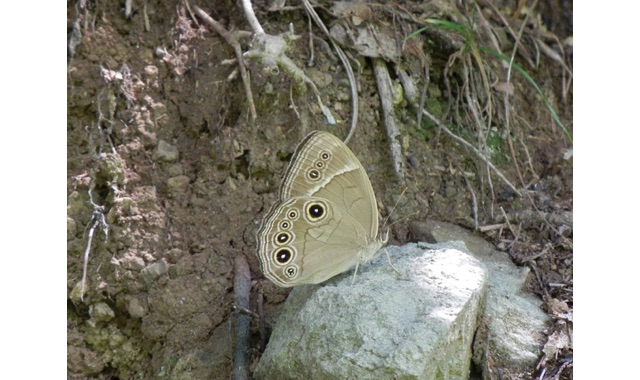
326 217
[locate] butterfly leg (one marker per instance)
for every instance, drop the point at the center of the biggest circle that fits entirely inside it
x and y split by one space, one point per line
390 263
355 271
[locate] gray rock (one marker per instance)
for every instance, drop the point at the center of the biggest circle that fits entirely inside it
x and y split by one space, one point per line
384 327
511 331
418 324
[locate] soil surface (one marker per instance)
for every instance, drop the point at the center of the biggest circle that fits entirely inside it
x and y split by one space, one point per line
169 175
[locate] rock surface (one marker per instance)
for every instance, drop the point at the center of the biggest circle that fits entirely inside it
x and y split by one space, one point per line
415 324
511 332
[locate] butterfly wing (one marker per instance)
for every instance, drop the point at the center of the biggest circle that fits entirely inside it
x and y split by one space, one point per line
323 166
307 240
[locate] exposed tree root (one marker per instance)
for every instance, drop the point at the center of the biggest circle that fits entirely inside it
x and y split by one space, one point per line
233 39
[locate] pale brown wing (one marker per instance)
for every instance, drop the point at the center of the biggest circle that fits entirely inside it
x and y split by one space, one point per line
323 166
307 240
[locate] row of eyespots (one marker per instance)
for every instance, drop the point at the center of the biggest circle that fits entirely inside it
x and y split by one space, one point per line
315 211
314 174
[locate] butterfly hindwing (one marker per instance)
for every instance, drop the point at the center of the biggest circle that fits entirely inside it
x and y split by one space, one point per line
308 240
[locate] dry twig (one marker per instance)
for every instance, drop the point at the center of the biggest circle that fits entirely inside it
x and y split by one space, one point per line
516 235
386 99
479 154
347 66
537 216
241 289
474 201
261 322
410 96
251 17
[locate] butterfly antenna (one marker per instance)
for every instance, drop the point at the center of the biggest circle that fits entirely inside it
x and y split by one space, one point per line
394 208
405 217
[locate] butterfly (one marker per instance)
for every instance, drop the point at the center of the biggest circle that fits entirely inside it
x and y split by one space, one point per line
326 218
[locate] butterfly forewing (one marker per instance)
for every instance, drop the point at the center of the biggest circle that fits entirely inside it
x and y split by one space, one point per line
326 217
323 166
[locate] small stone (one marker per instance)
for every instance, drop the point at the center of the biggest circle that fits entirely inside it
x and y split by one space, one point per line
109 169
153 271
232 185
174 254
151 70
175 170
343 96
166 152
76 293
135 308
71 228
101 312
178 183
132 261
320 78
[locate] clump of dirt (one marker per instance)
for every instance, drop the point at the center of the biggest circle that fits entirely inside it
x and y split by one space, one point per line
169 176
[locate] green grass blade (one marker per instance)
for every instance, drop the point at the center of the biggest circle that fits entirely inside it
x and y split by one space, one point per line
535 86
465 32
